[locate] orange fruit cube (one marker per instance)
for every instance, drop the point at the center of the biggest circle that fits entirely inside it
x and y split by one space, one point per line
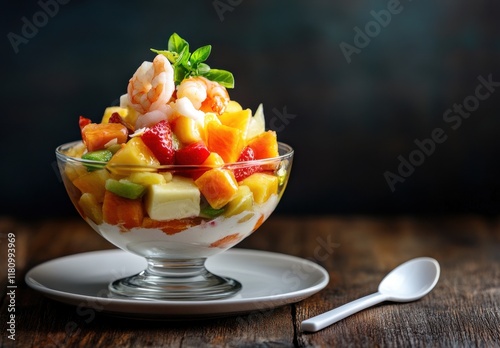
218 186
96 136
123 212
264 145
224 140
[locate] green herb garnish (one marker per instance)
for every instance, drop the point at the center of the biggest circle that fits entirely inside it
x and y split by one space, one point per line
188 64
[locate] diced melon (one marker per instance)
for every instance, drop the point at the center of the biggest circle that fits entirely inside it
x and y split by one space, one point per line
93 183
237 119
134 153
257 123
242 201
262 186
147 179
177 199
91 208
226 141
123 212
218 186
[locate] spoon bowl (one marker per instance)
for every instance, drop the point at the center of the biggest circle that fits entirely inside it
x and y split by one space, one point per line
409 281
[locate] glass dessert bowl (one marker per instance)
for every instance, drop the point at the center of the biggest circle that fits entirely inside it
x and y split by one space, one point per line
175 216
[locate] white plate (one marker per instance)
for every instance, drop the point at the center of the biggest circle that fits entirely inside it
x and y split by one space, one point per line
269 280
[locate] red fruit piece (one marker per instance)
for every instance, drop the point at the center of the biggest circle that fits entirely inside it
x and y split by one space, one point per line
158 139
195 153
245 171
83 121
116 118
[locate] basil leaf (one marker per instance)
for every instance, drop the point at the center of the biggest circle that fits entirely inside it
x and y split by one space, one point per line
177 43
202 69
171 56
200 55
224 77
180 73
183 58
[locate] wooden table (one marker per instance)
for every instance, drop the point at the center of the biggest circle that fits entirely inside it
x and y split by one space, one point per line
463 310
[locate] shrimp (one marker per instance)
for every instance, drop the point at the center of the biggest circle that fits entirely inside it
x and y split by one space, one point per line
205 95
152 85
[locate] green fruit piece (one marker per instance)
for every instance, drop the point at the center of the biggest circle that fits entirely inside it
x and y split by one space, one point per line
98 156
209 212
125 188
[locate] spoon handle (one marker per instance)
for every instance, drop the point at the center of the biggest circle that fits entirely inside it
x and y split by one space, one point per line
328 318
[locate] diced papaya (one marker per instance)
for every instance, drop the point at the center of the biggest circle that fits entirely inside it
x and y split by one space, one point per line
124 212
96 136
262 185
93 183
264 145
91 208
172 226
218 186
134 153
226 141
227 241
237 119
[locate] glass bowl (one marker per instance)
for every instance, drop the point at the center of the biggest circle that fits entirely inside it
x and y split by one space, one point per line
178 220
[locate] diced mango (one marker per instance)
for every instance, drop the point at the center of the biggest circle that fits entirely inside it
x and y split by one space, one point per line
233 106
262 186
242 201
264 145
124 212
93 183
226 141
213 160
134 153
218 186
74 170
187 130
91 208
237 119
257 124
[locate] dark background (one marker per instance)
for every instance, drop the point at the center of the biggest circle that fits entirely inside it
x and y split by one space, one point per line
348 122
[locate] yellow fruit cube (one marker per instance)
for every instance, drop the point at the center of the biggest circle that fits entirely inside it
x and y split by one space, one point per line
134 153
242 201
237 119
262 186
187 130
218 186
233 106
213 160
93 183
148 179
123 112
91 208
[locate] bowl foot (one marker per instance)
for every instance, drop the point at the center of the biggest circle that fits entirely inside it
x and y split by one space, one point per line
183 280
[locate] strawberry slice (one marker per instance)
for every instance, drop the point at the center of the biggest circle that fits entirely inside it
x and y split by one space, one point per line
158 139
83 121
195 153
243 172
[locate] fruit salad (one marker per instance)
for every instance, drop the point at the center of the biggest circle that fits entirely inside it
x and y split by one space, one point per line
178 164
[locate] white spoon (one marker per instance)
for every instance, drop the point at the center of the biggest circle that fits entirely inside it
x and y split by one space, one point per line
409 281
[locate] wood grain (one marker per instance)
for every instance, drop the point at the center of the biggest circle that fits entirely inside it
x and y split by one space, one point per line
463 310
